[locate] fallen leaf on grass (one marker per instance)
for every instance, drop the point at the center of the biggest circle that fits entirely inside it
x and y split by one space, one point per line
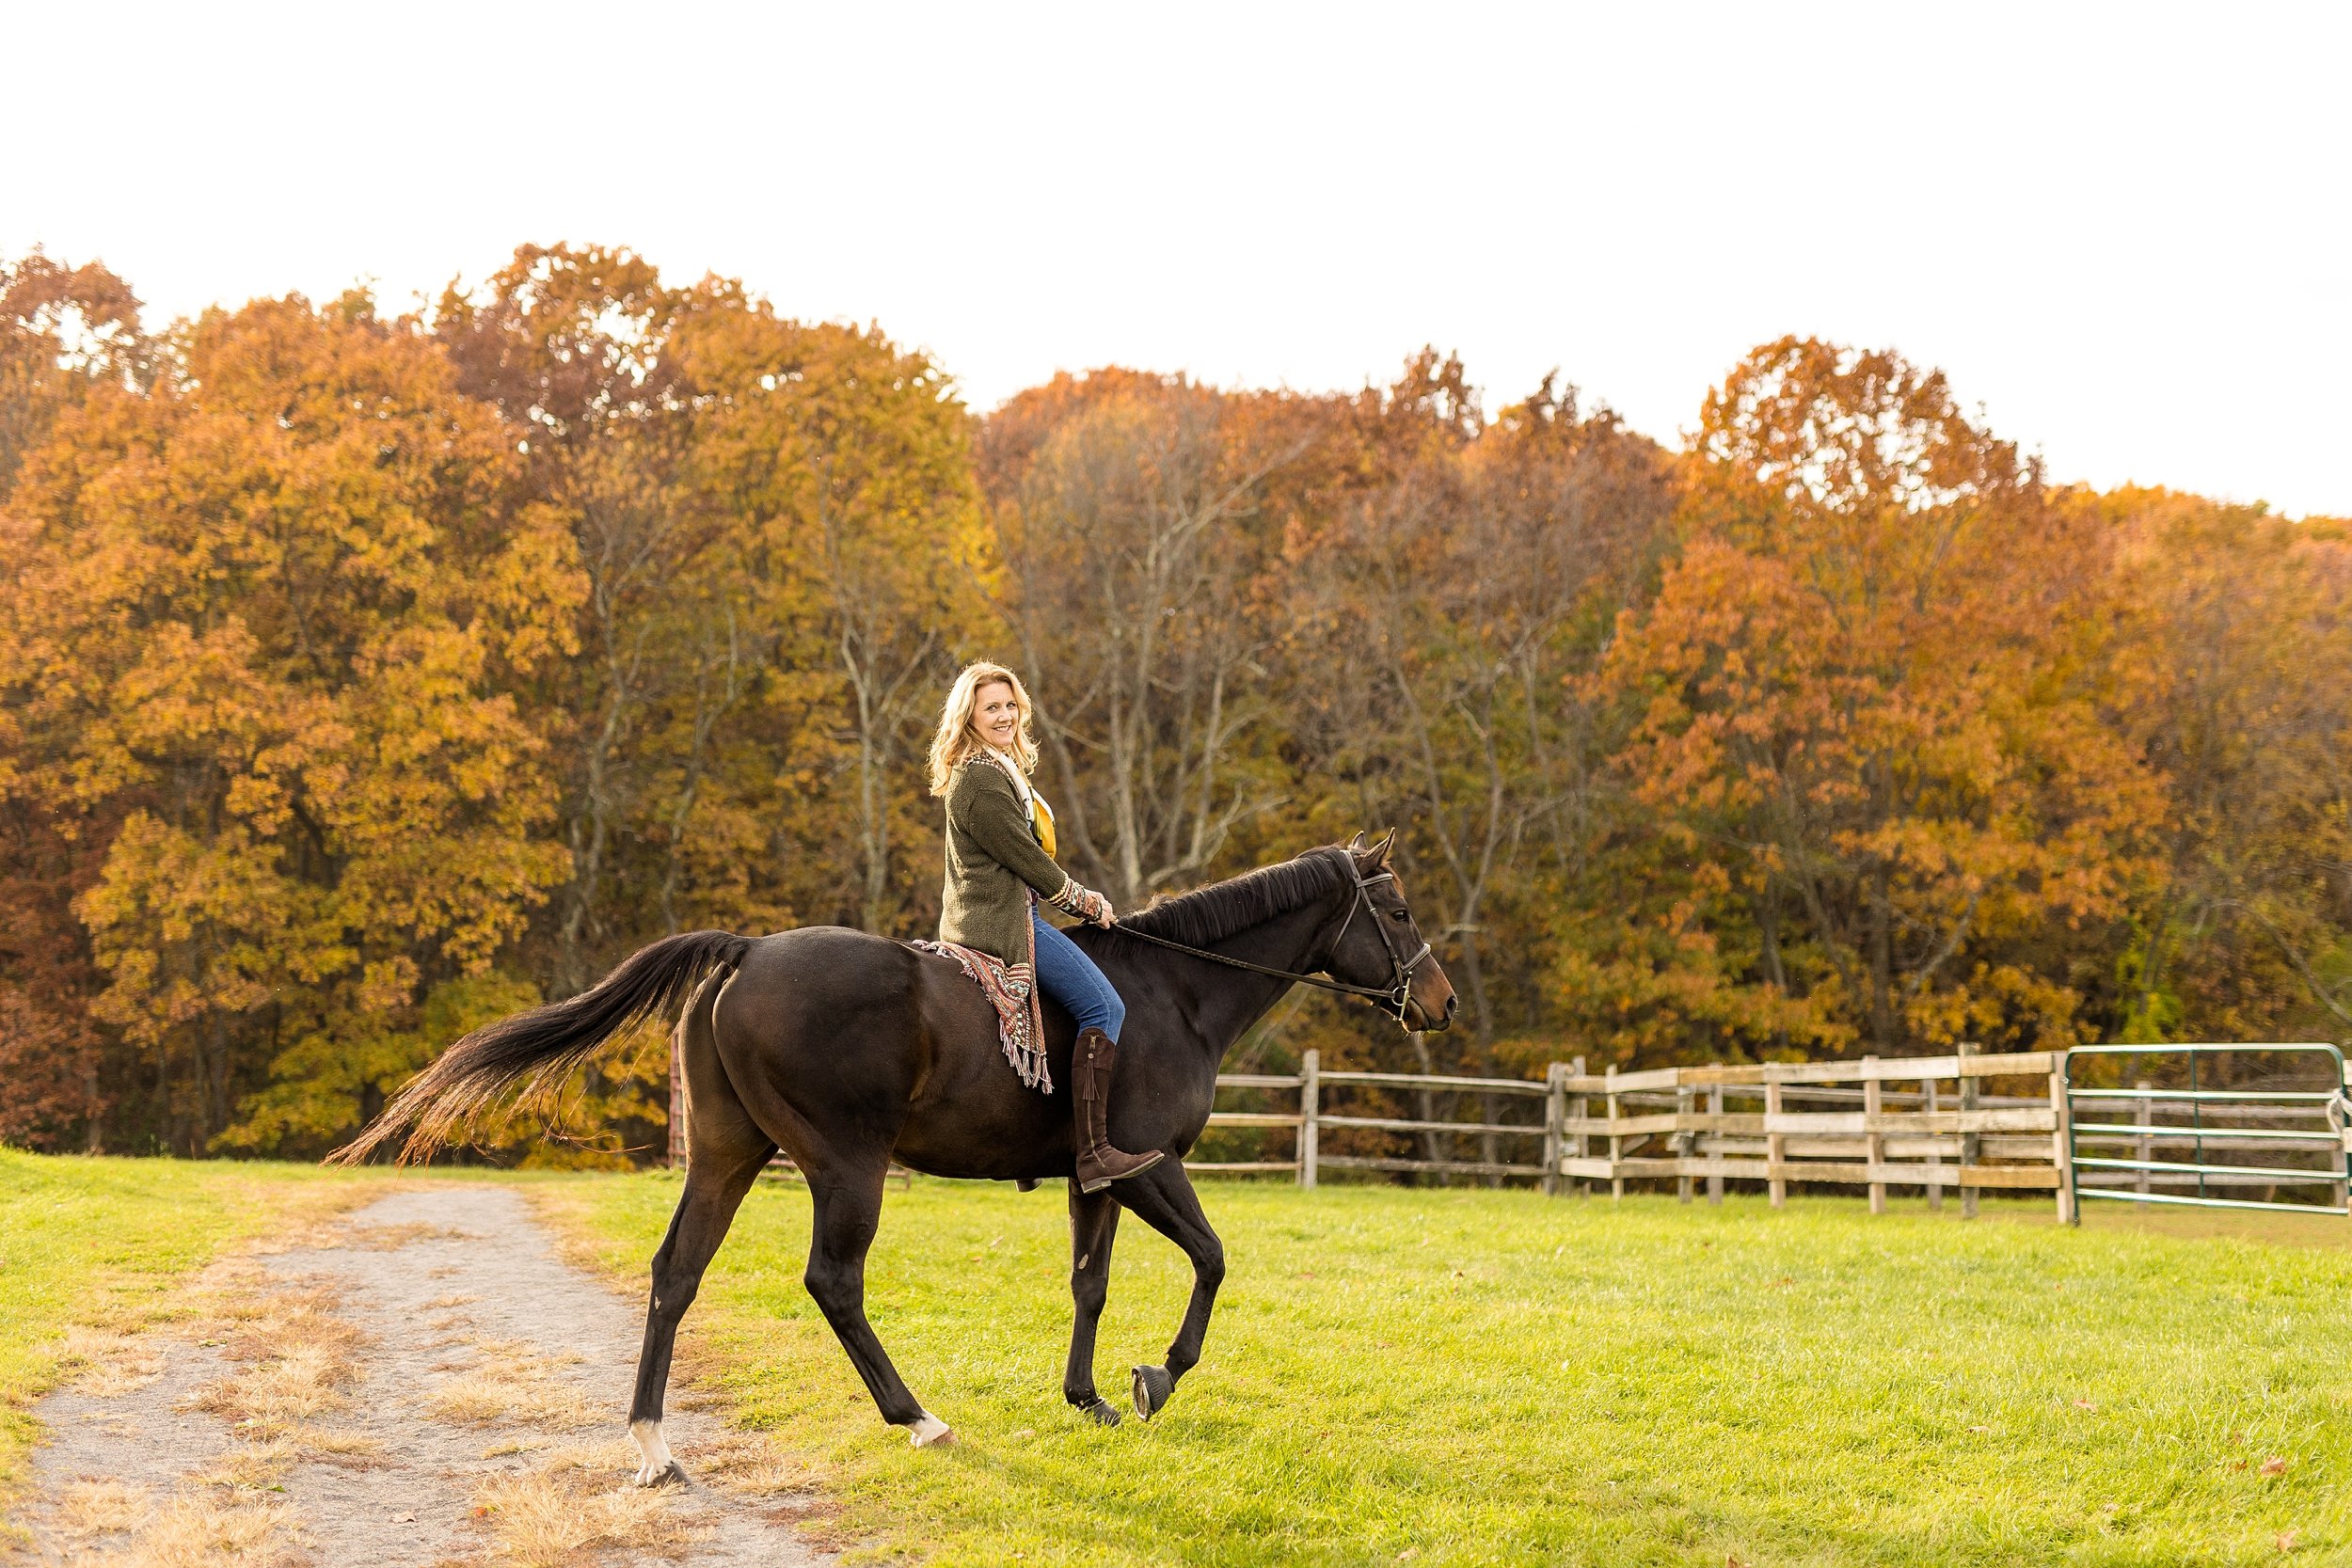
1980 1431
1781 1284
2286 1538
2085 1404
2274 1466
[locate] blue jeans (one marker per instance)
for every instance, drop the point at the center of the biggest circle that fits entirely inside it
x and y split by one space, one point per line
1069 977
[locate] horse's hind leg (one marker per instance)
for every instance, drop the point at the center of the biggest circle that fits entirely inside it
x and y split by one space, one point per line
726 1155
1162 1198
847 1199
1093 1225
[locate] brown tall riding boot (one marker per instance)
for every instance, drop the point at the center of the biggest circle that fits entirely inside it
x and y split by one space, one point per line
1099 1163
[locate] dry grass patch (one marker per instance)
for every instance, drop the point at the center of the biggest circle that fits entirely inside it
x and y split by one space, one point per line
345 1451
297 1358
576 1503
488 1398
88 1507
247 1467
750 1466
326 1231
513 1382
391 1238
201 1530
105 1363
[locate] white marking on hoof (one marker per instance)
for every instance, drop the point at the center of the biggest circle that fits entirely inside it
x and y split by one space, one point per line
929 1432
659 1466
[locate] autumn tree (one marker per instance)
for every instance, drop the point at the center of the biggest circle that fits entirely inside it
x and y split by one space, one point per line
1464 582
1873 735
65 331
848 460
1131 517
571 345
266 612
2235 618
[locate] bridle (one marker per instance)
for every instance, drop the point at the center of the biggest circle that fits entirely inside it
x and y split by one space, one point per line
1391 1001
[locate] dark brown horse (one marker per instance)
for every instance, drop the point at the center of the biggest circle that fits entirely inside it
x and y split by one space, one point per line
846 1050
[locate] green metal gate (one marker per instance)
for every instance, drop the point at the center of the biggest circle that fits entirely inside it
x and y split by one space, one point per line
2200 1117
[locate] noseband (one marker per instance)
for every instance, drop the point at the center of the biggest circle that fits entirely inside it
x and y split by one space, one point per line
1391 1001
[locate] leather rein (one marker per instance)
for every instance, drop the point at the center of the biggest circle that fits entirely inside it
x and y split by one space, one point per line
1391 1001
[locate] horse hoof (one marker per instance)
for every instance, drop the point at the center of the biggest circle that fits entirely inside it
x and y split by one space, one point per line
1100 1412
670 1474
929 1432
1152 1387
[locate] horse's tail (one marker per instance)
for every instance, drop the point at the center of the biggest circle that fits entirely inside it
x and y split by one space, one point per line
543 1044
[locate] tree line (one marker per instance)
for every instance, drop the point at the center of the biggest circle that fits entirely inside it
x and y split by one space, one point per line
367 677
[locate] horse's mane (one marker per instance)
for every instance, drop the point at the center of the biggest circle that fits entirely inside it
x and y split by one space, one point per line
1214 912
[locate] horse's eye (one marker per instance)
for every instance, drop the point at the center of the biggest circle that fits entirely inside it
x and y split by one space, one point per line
1400 916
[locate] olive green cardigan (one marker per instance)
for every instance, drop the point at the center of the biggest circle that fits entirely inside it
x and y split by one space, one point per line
992 863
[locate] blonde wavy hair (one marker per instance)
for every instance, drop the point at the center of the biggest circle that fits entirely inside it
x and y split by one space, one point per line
957 737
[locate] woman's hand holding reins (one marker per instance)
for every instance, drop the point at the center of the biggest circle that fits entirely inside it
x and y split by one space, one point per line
1084 902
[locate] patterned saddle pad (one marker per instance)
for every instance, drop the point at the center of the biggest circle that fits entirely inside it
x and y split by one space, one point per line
1011 989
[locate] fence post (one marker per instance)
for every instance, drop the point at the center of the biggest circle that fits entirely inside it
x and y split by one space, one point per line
1873 1142
1555 1117
1713 1146
1617 1144
1310 1106
1971 1144
1776 1146
1935 1152
2147 1142
1684 1141
1579 1108
2061 1142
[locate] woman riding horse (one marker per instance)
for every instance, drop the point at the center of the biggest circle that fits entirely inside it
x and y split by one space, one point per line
1000 864
847 1051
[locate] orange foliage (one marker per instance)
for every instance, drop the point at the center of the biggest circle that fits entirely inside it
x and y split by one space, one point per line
1870 723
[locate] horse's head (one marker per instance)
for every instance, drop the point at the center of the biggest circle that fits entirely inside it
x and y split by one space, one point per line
1381 945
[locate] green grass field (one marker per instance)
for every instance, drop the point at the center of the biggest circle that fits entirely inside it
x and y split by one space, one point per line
1449 1377
99 1241
1492 1377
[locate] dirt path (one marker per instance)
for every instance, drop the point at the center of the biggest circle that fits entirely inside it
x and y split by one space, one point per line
423 1382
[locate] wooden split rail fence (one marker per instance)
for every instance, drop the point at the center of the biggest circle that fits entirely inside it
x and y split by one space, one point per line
1962 1123
1927 1123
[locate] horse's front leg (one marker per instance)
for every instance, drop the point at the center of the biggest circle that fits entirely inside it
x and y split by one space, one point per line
1162 1198
1093 1226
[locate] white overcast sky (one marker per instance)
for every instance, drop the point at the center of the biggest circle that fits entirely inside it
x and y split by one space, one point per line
2125 230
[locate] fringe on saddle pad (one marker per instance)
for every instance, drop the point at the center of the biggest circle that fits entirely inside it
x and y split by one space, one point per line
1011 989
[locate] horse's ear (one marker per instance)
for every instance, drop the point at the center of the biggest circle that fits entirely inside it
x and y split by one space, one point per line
1356 844
1379 852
